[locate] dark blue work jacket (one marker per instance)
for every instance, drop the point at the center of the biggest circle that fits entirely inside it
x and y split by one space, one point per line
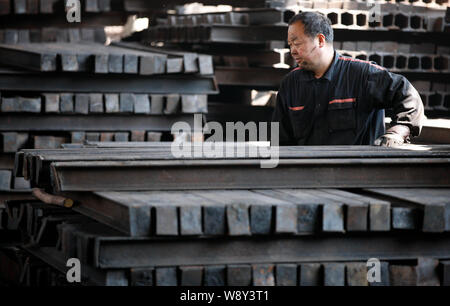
346 105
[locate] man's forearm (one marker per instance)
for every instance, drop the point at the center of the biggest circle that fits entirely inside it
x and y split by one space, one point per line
409 112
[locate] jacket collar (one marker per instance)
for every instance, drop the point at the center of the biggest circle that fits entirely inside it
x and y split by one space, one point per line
330 72
309 75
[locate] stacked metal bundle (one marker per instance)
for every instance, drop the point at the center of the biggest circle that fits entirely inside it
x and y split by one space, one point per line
36 21
60 83
25 21
226 221
70 93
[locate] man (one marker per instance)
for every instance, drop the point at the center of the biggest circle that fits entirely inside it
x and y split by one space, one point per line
335 100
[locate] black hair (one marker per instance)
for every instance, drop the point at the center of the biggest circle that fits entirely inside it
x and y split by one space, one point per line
314 23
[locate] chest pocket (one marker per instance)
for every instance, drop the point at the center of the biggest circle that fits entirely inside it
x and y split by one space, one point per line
299 119
342 114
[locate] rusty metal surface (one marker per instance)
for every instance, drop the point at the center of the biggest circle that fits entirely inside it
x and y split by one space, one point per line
254 212
90 176
79 82
263 275
331 259
125 252
402 275
427 272
356 274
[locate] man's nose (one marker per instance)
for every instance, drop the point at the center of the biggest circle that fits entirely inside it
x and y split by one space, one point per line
294 51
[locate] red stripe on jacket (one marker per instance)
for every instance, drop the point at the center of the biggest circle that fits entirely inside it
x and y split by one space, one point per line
361 61
342 100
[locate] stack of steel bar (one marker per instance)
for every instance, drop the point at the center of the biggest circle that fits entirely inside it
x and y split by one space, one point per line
76 92
155 166
36 21
270 230
60 84
146 218
96 58
24 21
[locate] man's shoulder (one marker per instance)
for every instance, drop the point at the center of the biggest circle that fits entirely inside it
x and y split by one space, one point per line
359 64
295 74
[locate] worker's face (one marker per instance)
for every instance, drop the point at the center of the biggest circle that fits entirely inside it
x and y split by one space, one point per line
303 48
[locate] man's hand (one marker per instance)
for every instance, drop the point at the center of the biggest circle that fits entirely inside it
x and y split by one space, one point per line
389 140
394 137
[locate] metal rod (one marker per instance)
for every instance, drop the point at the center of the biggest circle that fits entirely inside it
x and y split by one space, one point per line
109 252
52 199
104 122
109 83
247 174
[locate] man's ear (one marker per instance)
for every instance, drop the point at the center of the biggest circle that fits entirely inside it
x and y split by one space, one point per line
322 40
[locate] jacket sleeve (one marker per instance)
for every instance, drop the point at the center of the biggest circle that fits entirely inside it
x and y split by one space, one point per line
281 115
390 90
